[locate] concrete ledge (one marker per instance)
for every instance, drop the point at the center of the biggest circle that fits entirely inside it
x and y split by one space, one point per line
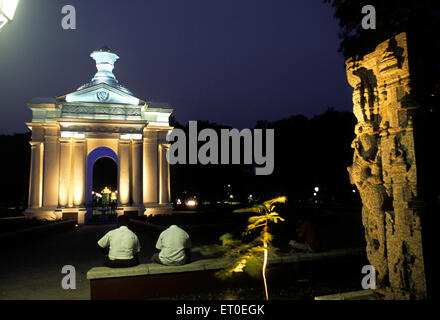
211 264
154 268
152 281
352 295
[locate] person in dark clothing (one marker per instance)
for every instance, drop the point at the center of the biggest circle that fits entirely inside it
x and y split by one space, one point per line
307 240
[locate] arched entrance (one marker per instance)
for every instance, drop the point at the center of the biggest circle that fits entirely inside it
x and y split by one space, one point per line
100 119
97 155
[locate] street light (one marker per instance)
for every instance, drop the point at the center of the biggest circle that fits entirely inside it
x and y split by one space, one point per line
7 11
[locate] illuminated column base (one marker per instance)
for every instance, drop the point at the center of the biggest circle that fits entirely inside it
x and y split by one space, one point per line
139 211
77 214
153 210
42 214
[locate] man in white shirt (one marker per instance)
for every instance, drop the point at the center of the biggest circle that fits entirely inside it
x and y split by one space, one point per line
174 245
123 246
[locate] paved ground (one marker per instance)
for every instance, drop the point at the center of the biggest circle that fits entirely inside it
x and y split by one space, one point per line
32 271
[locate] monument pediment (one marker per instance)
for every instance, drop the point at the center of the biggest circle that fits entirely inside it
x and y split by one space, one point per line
101 93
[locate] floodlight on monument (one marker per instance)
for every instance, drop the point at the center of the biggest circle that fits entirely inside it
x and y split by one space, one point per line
7 11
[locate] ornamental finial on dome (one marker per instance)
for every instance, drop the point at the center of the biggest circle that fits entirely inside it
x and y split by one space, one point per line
105 63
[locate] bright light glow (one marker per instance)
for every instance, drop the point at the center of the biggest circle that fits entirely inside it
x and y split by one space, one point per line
354 191
131 136
70 134
106 190
191 203
113 196
316 189
231 196
240 266
8 7
158 124
7 11
314 193
178 201
264 268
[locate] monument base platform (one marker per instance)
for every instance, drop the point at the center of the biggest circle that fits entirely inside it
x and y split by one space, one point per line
158 209
42 214
53 214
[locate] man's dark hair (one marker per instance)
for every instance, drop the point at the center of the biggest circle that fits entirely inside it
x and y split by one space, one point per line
123 220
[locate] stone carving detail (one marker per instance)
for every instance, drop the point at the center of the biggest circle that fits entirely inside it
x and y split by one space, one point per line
107 129
102 110
102 96
384 168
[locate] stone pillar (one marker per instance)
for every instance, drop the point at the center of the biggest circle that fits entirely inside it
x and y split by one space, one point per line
36 175
164 175
78 171
136 174
65 172
124 173
51 172
385 168
150 169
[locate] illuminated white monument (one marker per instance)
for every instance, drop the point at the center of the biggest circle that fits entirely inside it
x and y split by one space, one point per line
100 119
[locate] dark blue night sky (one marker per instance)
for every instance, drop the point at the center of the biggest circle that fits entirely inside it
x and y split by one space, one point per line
231 61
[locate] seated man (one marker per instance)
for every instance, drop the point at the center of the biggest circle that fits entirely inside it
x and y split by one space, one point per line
122 246
307 239
174 245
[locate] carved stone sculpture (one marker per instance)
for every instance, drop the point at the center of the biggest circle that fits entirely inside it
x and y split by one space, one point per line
384 168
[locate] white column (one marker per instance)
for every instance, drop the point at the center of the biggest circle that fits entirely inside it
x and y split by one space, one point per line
136 175
51 172
36 175
79 175
164 174
124 173
65 171
150 170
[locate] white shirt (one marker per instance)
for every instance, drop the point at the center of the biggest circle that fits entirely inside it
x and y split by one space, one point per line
172 244
123 243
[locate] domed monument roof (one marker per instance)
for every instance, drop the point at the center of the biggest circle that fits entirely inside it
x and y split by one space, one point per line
105 62
104 87
102 99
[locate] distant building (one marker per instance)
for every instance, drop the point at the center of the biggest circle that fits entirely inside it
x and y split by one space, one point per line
101 119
